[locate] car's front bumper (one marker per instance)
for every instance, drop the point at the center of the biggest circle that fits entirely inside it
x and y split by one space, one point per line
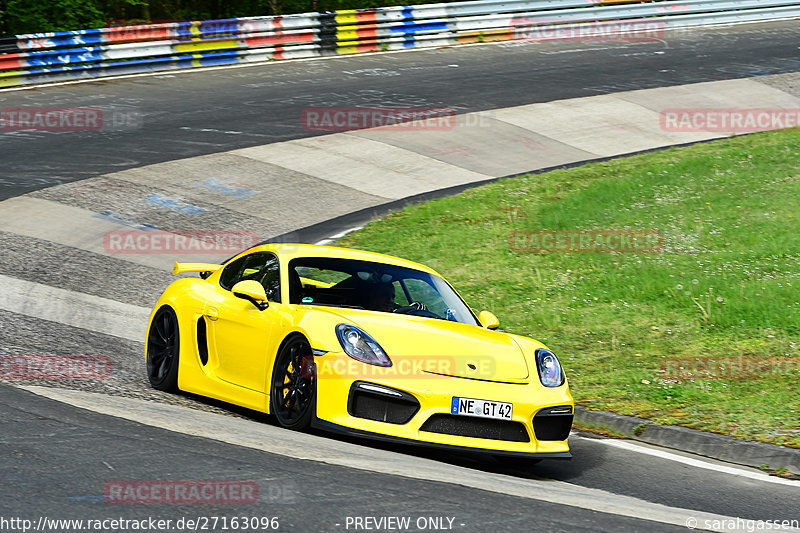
351 432
434 395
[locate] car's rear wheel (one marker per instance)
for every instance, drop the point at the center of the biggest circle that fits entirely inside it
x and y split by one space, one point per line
163 349
294 385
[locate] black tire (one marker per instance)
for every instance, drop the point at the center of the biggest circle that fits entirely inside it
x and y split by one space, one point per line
163 350
293 396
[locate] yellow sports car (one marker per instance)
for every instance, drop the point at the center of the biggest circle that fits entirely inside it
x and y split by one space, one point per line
358 343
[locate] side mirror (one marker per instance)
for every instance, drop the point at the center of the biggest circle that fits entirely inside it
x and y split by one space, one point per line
488 320
251 291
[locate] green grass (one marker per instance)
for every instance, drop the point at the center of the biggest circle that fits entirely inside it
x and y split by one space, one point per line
726 283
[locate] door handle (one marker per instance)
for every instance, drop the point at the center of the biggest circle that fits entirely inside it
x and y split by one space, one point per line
211 313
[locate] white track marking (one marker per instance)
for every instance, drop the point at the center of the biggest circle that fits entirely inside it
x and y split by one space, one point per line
76 309
689 461
260 436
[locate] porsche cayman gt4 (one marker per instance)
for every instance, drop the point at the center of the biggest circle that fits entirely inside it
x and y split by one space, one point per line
358 343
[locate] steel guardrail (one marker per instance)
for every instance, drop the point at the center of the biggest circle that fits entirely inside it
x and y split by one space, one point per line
58 56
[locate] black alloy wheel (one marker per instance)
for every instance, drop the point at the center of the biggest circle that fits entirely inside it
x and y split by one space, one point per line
163 349
294 385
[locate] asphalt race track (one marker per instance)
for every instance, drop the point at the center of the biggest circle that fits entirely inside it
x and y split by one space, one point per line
57 457
44 475
189 114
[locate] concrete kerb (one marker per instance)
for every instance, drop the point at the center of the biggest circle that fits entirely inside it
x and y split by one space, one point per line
716 446
323 230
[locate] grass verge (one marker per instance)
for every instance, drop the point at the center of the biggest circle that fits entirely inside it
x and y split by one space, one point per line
704 333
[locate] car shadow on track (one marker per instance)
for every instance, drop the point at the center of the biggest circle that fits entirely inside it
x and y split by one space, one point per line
585 457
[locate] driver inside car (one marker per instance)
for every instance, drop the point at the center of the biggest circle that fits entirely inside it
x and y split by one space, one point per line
381 298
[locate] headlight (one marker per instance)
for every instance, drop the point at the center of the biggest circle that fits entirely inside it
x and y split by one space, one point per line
550 373
360 346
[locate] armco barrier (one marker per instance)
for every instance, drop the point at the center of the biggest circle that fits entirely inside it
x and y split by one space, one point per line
57 56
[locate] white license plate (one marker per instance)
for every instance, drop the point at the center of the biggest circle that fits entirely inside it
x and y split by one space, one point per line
481 408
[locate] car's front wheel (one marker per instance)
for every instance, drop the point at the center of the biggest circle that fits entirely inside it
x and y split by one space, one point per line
163 349
294 385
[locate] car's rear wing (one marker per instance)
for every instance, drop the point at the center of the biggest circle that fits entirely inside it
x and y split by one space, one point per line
181 268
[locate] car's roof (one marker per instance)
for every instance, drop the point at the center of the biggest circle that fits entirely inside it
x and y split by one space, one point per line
289 251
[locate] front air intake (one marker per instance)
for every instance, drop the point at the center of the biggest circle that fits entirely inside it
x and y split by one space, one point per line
479 428
380 403
553 423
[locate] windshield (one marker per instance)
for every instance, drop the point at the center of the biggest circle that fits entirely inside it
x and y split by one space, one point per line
375 286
